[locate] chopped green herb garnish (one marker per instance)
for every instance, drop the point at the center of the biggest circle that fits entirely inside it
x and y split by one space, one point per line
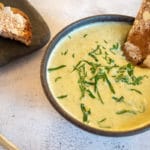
130 69
73 55
137 80
108 68
78 64
69 37
126 74
89 83
90 94
136 91
109 83
102 75
102 120
97 50
108 59
105 41
64 53
86 112
122 78
82 89
101 123
93 56
91 72
120 99
62 96
91 64
81 81
125 111
114 48
94 52
103 47
56 79
56 68
85 35
84 81
99 97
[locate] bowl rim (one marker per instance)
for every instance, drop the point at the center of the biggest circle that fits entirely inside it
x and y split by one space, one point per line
47 91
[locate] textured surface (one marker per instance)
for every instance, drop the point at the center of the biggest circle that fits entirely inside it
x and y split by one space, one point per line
10 49
27 118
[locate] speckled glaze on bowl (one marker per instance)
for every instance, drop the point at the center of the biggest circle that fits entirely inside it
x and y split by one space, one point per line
47 90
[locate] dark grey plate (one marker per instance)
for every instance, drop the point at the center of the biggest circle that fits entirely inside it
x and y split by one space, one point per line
58 37
10 49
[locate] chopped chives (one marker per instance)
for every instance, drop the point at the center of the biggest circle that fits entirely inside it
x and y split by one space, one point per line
85 35
56 79
69 37
62 96
64 53
109 84
90 94
124 111
102 120
99 96
120 99
101 123
136 91
93 56
86 112
56 68
73 55
105 41
103 47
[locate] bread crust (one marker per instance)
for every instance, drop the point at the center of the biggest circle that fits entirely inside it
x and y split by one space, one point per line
26 37
1 5
137 46
28 29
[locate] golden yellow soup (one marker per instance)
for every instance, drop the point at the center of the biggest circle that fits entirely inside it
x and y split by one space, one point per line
92 81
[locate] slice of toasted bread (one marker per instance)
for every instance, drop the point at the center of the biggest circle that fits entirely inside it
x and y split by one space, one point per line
137 47
15 24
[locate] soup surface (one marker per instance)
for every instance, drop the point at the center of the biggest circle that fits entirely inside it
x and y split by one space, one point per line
92 81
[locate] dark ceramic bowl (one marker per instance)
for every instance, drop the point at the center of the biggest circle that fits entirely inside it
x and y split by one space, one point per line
47 90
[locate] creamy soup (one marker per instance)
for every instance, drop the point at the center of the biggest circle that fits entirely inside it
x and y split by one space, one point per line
92 81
